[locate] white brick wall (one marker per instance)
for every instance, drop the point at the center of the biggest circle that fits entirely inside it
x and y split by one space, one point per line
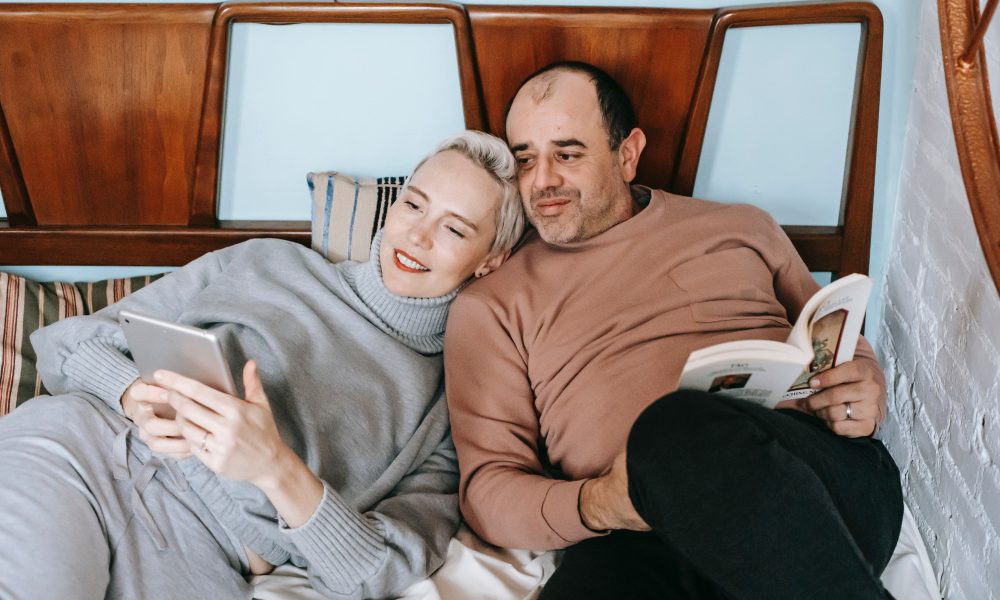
940 343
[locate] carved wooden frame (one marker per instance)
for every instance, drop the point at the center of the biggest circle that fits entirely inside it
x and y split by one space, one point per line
973 122
203 205
481 34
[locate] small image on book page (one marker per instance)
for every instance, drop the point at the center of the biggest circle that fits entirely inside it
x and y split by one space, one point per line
733 381
826 335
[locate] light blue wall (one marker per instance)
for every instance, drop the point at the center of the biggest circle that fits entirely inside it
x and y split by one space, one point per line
749 154
779 147
321 97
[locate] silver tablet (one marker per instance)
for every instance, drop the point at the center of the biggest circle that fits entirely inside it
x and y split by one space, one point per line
188 351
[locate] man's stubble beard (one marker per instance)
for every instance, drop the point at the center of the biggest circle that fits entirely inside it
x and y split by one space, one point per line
583 224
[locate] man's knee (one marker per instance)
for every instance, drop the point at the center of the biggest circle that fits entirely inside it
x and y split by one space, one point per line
686 433
687 419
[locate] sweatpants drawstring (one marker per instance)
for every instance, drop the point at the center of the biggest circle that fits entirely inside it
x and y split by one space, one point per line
121 473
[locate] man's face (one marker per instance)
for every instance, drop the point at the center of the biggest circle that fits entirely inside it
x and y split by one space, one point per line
441 228
571 182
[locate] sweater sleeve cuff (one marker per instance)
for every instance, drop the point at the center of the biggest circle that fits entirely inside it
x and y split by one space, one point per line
97 366
339 542
561 511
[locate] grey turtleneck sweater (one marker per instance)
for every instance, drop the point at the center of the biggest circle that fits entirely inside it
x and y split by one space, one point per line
354 377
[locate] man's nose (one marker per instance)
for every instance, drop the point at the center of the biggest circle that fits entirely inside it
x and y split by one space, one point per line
546 175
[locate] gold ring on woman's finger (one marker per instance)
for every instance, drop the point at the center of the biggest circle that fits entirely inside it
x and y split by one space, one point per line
204 442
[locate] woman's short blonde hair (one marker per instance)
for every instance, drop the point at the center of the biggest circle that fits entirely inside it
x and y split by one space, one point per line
492 155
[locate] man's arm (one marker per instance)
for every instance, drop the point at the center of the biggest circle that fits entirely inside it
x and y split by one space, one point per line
605 503
503 491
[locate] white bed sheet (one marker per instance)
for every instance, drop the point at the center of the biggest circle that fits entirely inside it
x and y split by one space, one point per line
474 570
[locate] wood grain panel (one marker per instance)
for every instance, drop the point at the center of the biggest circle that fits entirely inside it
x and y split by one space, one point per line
134 246
655 54
102 104
207 171
15 195
171 246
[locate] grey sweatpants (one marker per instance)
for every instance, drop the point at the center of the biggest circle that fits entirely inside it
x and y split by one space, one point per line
87 512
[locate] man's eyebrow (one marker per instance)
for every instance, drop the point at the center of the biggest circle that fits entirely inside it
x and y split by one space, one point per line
450 213
558 143
568 143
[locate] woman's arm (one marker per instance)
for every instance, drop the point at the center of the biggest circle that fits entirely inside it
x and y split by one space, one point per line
89 353
349 553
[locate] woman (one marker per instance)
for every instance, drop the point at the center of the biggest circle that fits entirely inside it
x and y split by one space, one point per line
337 456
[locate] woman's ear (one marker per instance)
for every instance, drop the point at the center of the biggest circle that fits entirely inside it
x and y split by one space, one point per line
491 264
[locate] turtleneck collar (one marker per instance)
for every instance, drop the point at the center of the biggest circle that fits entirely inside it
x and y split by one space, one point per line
417 322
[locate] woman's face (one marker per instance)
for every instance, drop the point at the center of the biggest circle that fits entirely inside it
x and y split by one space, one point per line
440 230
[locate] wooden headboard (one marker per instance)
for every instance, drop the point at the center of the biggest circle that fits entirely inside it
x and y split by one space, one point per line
111 115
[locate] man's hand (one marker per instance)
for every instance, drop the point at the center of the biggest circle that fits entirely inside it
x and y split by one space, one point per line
605 503
850 398
147 406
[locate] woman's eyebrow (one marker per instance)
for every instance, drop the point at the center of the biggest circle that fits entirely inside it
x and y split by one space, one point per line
419 192
450 213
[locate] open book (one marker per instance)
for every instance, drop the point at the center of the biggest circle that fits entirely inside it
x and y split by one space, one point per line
767 372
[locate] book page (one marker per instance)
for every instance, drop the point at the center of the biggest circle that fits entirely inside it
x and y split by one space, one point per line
831 324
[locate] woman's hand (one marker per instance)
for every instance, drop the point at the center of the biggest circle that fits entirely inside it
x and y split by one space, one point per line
146 405
236 438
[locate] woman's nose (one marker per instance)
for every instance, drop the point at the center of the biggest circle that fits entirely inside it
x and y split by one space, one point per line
419 234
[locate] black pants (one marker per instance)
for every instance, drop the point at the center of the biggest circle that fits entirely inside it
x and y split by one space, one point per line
746 503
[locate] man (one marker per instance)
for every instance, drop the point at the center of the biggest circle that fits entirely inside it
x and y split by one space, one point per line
560 370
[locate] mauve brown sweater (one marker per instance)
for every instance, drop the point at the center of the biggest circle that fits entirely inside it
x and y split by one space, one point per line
549 360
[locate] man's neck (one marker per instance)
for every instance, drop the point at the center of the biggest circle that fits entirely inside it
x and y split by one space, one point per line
640 198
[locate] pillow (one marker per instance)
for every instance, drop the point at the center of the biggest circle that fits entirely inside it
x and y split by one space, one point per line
27 305
347 211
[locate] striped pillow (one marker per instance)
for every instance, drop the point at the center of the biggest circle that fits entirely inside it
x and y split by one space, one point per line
27 305
347 212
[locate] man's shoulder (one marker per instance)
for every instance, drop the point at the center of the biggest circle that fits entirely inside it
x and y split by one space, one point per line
515 272
690 206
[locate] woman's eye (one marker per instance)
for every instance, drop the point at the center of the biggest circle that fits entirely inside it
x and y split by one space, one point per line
456 232
411 205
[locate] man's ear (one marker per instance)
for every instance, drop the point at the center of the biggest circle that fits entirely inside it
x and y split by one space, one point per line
629 152
491 264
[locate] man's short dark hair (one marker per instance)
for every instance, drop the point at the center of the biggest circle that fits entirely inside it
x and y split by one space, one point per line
616 108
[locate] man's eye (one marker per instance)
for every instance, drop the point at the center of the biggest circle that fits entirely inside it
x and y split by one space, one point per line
523 161
568 157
